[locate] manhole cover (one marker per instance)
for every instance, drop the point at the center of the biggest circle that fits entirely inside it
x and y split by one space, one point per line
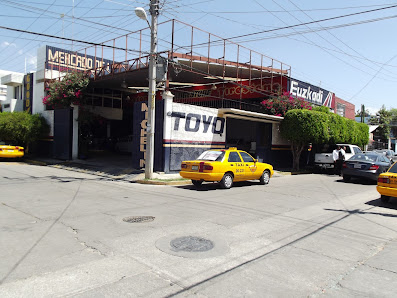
136 219
192 244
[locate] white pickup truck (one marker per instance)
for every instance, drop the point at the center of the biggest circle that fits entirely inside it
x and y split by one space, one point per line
324 158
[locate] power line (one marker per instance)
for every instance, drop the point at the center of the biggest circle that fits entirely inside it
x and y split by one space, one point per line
312 22
68 39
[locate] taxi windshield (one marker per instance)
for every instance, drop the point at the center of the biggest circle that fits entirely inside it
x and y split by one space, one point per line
211 155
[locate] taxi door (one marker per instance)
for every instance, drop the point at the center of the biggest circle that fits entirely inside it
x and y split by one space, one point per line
236 165
251 171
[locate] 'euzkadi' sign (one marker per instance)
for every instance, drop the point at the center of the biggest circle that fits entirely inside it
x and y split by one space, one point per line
312 94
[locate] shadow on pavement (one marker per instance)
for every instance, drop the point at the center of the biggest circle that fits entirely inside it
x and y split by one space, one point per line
209 186
392 204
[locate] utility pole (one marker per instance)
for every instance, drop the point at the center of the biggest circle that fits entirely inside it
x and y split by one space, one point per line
149 161
362 113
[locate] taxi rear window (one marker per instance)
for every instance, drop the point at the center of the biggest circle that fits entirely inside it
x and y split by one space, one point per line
212 155
393 168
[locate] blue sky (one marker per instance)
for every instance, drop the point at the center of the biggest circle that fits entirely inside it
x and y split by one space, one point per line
354 56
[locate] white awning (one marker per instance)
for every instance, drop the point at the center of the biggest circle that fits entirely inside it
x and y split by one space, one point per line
250 116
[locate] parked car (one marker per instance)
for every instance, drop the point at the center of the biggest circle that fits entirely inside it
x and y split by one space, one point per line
387 184
225 166
389 153
324 158
365 165
10 151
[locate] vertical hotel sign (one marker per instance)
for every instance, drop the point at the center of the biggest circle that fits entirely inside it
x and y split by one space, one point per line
28 92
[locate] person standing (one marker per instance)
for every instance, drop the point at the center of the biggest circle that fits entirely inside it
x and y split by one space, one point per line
335 157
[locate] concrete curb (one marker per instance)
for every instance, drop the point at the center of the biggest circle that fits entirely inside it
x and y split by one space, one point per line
164 182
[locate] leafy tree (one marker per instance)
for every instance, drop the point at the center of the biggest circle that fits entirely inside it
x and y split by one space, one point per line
382 119
280 105
301 127
323 109
22 128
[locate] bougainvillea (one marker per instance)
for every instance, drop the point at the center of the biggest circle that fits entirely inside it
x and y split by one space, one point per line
66 91
283 103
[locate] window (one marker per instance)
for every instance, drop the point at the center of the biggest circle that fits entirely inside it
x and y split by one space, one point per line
211 155
340 109
393 169
234 157
246 157
357 150
18 92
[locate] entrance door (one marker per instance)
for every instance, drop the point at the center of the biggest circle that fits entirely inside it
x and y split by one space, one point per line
63 133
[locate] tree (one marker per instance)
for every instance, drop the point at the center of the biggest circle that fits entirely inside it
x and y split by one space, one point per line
22 128
382 119
66 91
302 127
280 105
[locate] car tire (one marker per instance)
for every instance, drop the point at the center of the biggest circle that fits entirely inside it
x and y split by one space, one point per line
346 178
384 199
227 181
265 177
197 183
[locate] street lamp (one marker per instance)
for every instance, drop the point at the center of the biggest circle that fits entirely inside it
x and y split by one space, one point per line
141 13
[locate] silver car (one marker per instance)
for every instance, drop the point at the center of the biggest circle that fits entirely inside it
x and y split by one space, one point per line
365 165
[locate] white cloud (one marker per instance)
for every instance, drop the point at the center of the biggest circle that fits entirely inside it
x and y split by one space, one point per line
372 110
5 44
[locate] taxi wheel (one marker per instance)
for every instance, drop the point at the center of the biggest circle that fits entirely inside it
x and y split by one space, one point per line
265 178
197 183
227 181
384 199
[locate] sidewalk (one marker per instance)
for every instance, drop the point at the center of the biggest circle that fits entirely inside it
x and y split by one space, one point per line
116 168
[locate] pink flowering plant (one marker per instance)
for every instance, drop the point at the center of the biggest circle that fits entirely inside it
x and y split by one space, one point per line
66 91
280 105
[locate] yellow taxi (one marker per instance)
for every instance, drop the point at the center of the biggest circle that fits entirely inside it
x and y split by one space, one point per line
225 166
387 184
8 151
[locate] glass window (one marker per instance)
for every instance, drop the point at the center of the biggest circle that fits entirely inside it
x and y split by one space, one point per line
234 157
364 157
341 109
212 155
246 157
356 150
393 168
347 149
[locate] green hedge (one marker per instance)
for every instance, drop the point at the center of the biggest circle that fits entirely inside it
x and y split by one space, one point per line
304 126
21 128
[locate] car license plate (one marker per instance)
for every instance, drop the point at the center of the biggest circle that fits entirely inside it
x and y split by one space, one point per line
10 150
194 168
357 166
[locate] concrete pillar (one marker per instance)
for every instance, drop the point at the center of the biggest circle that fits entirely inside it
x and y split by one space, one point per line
168 98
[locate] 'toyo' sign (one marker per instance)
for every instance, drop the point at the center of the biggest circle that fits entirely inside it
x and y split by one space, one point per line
194 124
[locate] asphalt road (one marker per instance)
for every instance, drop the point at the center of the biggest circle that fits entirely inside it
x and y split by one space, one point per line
62 234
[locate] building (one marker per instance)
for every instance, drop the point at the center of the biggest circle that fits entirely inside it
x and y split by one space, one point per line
11 91
201 102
